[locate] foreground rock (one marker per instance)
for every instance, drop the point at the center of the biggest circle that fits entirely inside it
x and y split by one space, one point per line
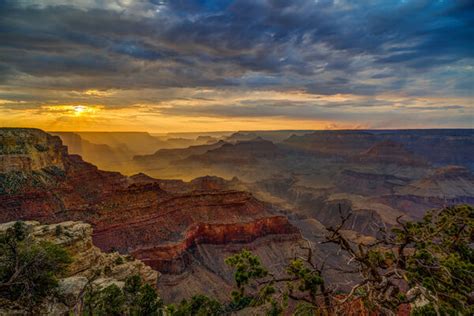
89 264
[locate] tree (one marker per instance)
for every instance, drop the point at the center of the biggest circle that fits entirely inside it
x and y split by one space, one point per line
135 299
148 301
248 269
141 299
256 286
199 305
432 258
29 269
107 301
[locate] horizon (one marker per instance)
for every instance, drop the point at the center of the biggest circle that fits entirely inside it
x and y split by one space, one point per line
238 130
174 66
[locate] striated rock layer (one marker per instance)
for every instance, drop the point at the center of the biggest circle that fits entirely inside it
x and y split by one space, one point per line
164 228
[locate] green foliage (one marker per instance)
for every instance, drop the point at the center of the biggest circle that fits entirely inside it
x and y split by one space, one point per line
199 305
118 261
275 308
148 302
305 309
248 268
135 299
443 257
12 182
108 301
41 148
434 257
29 270
132 285
309 279
58 230
54 171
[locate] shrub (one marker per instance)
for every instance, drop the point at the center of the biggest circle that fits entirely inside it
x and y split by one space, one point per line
29 269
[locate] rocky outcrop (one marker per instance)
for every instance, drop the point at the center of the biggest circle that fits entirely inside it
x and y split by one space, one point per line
179 222
206 183
331 143
87 259
89 264
29 150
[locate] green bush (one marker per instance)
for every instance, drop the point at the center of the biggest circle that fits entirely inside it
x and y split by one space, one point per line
135 299
199 305
29 270
118 261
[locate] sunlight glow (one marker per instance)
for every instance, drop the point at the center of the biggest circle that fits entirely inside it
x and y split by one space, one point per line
79 109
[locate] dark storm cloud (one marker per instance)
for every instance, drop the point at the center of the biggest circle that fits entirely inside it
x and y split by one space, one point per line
327 47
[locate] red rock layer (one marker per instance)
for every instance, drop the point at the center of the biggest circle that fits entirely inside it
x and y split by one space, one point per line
164 257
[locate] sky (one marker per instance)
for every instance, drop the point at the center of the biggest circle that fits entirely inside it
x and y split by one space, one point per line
203 65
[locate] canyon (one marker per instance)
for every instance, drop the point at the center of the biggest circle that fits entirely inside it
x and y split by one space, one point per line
183 210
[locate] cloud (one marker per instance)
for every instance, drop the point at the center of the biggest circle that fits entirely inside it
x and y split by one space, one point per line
366 48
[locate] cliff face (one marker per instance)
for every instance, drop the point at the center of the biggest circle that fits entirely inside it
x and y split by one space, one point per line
165 228
29 150
176 223
172 257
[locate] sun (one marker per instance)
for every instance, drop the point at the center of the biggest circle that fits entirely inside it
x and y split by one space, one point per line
79 109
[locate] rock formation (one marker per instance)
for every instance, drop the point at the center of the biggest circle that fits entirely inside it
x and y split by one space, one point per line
89 263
